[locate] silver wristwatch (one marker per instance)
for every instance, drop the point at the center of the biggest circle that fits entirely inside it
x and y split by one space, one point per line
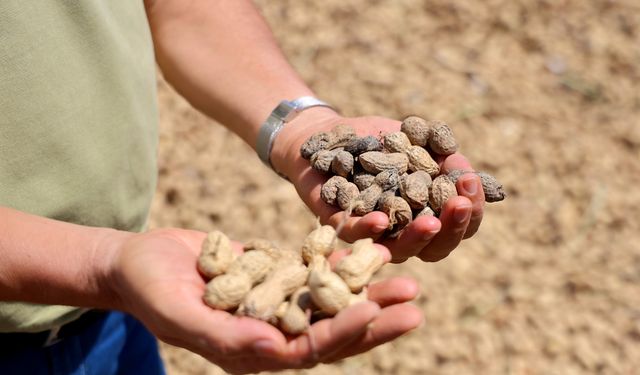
283 113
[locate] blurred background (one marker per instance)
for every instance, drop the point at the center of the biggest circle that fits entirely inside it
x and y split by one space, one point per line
544 94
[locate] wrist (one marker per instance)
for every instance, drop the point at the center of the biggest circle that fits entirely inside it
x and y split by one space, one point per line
105 258
285 153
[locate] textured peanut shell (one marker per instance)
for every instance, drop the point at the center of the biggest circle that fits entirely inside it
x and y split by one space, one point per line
418 130
293 317
442 141
329 190
388 180
347 193
328 291
322 160
227 291
357 268
367 200
396 142
342 164
398 211
420 160
441 190
319 242
363 180
263 300
376 162
363 144
339 136
256 264
360 297
216 254
493 190
414 188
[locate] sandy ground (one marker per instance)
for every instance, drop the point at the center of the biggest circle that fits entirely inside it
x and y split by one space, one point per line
543 94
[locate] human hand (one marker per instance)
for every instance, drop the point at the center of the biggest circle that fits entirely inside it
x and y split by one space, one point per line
429 238
154 277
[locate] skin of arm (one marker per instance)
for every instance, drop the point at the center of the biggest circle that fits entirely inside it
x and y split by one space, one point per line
222 57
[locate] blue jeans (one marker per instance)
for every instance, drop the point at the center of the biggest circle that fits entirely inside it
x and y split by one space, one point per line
117 344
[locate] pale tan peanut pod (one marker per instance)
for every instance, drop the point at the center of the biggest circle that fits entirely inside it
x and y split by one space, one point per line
293 317
321 161
272 250
360 297
418 130
347 193
256 264
328 291
363 179
216 255
414 188
367 200
263 300
376 162
227 291
329 191
427 211
442 141
319 242
396 142
420 160
398 211
259 244
342 163
441 190
357 268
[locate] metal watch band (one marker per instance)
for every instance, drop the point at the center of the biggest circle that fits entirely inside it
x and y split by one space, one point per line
283 113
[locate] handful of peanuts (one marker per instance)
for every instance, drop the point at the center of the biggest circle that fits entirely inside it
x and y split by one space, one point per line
285 287
396 174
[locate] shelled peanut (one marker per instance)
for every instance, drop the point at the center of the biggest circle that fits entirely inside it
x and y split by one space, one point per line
286 287
396 174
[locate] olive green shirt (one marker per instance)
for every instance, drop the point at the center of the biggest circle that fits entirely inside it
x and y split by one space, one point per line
78 121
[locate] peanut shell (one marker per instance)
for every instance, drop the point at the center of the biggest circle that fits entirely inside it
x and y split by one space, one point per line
363 144
357 268
414 188
376 162
396 142
441 190
342 163
216 255
442 141
418 130
420 160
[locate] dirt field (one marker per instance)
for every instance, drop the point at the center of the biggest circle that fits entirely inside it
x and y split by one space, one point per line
543 94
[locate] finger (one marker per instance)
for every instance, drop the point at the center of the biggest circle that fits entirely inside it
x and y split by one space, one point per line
470 186
330 335
393 322
372 225
455 217
337 255
393 291
418 234
455 161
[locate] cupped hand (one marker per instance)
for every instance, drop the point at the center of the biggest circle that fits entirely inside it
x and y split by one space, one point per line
154 277
429 238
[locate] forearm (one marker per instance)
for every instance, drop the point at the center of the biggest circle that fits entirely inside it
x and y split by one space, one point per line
53 262
222 57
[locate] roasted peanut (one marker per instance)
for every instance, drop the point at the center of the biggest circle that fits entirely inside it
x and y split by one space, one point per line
420 160
417 129
396 142
441 190
414 188
442 141
376 162
357 268
323 159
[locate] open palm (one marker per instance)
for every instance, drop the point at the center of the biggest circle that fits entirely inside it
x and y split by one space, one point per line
157 281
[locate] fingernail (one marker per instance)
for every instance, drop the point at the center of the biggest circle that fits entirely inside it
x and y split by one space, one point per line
378 228
461 214
265 347
470 186
429 235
